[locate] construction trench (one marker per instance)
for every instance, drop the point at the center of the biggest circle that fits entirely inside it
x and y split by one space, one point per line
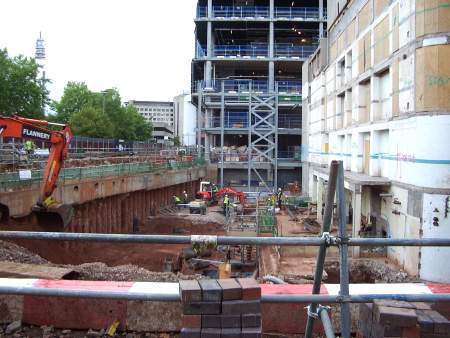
152 212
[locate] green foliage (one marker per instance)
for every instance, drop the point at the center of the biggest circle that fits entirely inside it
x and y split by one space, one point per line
79 105
176 141
91 122
22 92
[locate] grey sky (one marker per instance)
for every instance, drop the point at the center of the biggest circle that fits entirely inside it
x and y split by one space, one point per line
141 47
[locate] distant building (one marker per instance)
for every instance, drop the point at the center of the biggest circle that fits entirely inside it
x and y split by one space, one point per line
184 119
155 111
163 133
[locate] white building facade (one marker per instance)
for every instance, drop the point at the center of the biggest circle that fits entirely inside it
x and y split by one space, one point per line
381 104
184 119
155 111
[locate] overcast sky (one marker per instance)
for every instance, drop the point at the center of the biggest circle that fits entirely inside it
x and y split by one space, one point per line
141 47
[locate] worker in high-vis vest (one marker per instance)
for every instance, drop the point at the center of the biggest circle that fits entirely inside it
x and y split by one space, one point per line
185 197
226 204
176 200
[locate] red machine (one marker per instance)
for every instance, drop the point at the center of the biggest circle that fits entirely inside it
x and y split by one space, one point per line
51 214
210 192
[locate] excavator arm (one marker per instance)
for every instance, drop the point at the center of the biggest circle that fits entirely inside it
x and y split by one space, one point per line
231 191
48 210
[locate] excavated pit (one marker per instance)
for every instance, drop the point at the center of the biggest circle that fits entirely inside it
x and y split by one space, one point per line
151 257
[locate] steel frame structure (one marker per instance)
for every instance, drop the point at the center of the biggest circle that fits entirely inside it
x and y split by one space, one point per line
315 310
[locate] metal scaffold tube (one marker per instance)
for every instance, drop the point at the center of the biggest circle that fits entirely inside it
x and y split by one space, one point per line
220 240
326 225
158 295
326 321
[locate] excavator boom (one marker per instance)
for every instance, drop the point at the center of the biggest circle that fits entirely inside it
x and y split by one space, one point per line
51 214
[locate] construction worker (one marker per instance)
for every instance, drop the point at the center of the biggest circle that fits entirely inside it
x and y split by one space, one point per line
176 200
185 197
226 204
29 147
279 197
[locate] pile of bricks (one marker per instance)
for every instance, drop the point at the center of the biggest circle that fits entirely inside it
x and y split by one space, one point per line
224 308
401 319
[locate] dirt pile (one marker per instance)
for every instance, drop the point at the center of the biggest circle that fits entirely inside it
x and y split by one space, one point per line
368 271
14 253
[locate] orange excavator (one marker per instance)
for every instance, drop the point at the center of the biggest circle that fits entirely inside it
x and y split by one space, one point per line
51 215
211 193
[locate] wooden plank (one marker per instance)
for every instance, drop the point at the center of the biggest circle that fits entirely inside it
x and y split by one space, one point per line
20 270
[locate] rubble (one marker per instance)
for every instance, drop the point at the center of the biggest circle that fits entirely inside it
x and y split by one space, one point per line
13 327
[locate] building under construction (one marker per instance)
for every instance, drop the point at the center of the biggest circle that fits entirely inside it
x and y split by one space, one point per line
246 83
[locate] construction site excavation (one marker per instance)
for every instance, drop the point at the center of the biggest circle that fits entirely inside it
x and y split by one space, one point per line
300 188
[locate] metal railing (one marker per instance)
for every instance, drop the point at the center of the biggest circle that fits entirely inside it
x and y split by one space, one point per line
315 310
311 13
260 12
286 87
287 50
241 11
243 51
12 180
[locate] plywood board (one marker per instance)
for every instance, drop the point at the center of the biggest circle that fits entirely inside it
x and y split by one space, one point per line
381 43
395 88
351 33
432 16
395 30
365 16
433 78
380 5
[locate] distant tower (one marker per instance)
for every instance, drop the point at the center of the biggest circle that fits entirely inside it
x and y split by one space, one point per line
40 54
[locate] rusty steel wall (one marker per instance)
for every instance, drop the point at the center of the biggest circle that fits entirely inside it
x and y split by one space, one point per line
115 214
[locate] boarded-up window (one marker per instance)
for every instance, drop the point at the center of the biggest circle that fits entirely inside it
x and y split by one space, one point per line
433 78
351 33
365 16
395 88
395 31
381 43
380 5
432 16
364 57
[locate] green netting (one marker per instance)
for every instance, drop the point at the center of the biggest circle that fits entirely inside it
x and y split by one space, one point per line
266 222
297 201
12 180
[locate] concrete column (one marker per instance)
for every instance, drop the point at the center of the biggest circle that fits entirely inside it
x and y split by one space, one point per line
271 76
209 46
321 19
320 200
356 227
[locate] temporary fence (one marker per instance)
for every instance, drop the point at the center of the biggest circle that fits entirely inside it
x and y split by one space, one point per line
315 310
11 180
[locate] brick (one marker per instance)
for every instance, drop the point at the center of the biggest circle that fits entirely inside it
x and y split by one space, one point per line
199 308
231 289
251 332
395 316
190 291
411 332
425 322
191 321
433 335
231 333
211 321
441 324
211 333
393 303
380 330
230 321
189 333
250 288
422 306
251 320
211 290
234 307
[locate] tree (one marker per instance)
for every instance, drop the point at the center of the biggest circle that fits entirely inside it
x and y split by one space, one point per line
22 91
91 122
76 96
79 104
176 141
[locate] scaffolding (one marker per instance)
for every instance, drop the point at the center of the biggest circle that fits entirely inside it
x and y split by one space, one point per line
315 310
